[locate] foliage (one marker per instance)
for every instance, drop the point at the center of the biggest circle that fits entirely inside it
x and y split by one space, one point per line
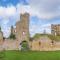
52 37
39 35
12 36
0 29
56 38
24 46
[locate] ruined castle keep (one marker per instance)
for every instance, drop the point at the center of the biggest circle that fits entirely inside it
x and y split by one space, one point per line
55 29
22 28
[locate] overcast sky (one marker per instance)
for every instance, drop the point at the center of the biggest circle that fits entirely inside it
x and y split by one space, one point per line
43 13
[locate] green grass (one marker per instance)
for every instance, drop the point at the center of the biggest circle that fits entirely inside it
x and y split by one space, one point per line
2 55
18 55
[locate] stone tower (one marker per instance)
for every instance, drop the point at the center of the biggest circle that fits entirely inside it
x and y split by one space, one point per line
22 28
55 29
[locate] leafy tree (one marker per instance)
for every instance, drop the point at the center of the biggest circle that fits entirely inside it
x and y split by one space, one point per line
12 36
24 46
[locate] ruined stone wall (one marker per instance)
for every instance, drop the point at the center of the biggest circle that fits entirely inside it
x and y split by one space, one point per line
1 40
44 44
10 44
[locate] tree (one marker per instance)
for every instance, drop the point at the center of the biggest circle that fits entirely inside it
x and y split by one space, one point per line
24 46
0 29
12 36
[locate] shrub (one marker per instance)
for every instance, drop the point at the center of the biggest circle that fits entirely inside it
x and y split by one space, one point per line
24 46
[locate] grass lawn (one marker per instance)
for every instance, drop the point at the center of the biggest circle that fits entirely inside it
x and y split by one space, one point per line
18 55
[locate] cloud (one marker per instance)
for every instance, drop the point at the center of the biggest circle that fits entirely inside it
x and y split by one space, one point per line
10 11
26 8
6 31
35 28
7 11
7 16
43 9
46 9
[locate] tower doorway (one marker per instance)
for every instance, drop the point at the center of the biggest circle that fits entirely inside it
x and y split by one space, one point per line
24 46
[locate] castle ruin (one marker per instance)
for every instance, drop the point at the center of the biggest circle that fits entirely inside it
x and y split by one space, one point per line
21 33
